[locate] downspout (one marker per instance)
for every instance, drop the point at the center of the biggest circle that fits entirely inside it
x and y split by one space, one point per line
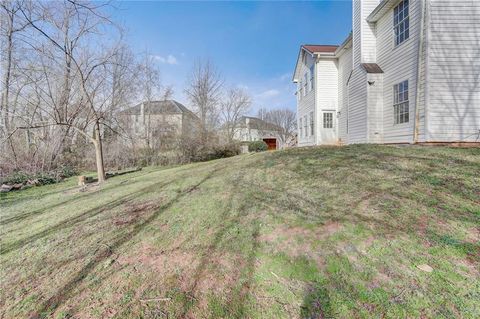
419 65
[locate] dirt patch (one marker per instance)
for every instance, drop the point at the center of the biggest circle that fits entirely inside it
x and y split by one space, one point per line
158 260
133 212
473 235
299 241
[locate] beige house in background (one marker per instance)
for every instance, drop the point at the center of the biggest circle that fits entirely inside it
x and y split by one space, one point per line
408 73
158 123
250 129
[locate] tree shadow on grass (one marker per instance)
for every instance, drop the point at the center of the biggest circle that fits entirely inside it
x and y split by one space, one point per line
316 303
67 291
6 248
239 294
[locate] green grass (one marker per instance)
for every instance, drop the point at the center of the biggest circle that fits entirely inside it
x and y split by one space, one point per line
304 233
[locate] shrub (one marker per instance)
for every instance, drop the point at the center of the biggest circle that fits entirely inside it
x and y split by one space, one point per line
42 178
257 146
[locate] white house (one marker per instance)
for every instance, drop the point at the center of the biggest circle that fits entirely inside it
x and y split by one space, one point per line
409 72
250 129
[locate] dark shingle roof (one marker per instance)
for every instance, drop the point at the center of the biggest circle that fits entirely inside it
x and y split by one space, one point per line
159 107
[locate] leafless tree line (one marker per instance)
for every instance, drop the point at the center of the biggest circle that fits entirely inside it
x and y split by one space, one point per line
65 75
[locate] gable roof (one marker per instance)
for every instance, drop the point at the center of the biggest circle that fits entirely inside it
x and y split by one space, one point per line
315 49
320 48
159 107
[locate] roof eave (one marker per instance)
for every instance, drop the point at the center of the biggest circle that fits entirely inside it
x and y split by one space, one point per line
380 10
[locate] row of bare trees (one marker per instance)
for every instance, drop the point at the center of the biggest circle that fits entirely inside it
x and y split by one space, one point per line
65 75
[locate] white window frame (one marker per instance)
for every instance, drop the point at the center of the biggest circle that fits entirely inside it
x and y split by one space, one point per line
327 123
401 107
401 22
301 127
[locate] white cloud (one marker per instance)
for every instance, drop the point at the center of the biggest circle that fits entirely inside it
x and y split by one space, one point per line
285 76
170 59
268 94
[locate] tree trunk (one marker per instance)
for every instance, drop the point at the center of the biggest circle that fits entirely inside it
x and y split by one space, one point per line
99 154
6 77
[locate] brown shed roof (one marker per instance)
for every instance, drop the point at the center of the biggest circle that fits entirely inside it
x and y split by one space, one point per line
313 48
372 68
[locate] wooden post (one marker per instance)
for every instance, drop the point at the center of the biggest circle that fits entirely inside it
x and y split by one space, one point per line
82 180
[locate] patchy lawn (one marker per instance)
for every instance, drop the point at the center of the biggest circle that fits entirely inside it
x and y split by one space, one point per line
357 231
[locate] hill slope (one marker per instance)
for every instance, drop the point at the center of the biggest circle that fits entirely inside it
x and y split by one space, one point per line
307 233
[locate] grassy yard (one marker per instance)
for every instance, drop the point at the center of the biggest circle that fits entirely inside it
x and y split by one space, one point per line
304 233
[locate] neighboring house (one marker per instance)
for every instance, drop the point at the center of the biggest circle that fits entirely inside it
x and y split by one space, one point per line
159 122
409 72
250 129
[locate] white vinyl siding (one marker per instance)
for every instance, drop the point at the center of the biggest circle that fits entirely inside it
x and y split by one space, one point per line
312 124
399 63
453 76
327 90
312 75
307 103
344 71
300 126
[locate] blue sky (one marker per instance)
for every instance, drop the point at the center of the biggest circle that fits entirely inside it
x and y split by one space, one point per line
253 44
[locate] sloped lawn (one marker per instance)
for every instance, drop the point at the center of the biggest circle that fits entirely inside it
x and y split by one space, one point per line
351 232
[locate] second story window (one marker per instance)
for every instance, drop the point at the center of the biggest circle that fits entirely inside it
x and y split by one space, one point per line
401 110
401 22
312 75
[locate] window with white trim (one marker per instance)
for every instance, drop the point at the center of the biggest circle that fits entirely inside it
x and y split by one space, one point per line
311 123
327 120
300 90
401 110
305 125
312 74
401 22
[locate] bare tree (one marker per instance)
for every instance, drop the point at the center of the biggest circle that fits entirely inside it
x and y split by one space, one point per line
285 120
236 104
204 92
262 113
10 24
80 101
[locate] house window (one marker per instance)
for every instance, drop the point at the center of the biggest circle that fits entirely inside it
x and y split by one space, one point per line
312 76
300 90
311 123
401 22
327 120
400 103
301 128
305 84
305 125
